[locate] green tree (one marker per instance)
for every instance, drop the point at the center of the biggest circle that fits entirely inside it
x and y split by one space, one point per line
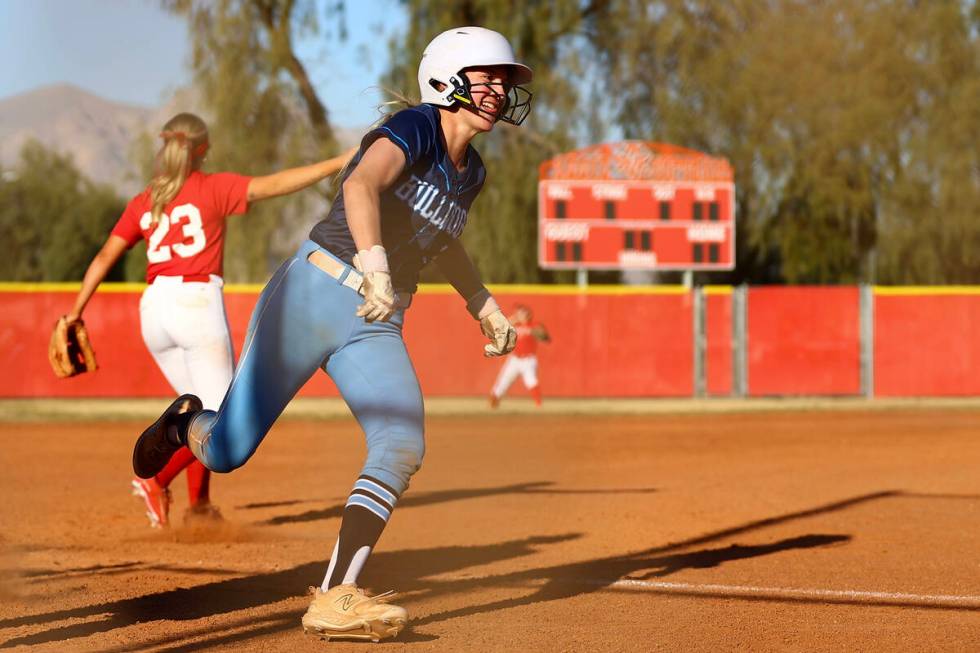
53 219
931 200
263 112
848 125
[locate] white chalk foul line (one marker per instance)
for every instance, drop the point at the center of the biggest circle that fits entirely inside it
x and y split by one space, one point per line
952 600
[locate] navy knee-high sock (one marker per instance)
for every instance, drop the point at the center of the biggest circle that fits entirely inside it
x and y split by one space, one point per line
367 511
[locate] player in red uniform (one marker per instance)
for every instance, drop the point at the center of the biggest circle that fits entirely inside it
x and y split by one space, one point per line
181 214
524 359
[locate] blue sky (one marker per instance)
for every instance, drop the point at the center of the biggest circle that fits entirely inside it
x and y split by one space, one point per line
133 51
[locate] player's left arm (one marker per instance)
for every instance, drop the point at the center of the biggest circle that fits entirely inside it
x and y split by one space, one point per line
289 181
456 265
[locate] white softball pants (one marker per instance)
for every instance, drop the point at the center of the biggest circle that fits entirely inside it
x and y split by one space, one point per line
185 327
525 366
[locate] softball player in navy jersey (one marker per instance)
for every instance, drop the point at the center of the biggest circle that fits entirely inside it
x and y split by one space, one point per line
339 304
182 215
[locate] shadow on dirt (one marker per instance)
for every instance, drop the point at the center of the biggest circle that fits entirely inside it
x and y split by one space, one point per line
254 591
273 504
44 575
419 571
565 581
444 496
708 558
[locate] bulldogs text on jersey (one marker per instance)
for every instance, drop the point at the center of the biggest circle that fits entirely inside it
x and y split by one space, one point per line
428 201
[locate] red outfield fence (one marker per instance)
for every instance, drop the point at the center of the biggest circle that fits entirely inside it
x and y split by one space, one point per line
664 341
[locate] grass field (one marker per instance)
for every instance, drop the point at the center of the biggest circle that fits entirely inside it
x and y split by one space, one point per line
665 526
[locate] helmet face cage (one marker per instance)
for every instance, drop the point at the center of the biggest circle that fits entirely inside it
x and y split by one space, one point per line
516 102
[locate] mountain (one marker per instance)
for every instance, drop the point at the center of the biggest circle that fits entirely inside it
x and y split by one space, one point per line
98 133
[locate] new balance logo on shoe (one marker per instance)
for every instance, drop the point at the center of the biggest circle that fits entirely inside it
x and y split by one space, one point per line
345 601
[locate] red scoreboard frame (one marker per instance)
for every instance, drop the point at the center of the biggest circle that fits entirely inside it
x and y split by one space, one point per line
636 205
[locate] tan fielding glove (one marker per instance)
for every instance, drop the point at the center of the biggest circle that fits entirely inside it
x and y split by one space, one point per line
69 350
379 296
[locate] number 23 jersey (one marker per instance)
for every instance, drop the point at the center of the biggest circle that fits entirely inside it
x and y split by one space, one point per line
189 237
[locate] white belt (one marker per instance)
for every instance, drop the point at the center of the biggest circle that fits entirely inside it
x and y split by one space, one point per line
353 279
336 269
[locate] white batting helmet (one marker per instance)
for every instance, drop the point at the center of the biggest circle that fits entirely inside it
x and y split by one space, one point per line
448 54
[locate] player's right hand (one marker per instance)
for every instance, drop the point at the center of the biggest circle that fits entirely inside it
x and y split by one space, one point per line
503 337
379 297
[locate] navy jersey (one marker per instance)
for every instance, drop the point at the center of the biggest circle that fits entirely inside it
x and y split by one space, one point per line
423 209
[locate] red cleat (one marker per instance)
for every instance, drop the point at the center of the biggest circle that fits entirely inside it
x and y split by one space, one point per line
494 401
155 498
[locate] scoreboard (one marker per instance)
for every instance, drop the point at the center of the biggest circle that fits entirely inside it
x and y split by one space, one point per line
636 205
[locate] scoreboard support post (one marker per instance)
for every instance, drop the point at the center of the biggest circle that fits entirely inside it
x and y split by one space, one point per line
867 330
740 342
698 306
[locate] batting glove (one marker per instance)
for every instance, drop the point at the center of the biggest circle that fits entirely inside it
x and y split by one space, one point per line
503 337
379 295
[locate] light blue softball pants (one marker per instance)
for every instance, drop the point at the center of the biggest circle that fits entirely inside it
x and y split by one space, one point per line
305 320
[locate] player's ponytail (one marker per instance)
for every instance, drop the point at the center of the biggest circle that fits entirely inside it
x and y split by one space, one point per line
386 110
185 142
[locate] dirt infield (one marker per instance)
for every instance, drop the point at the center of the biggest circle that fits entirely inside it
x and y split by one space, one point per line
789 531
